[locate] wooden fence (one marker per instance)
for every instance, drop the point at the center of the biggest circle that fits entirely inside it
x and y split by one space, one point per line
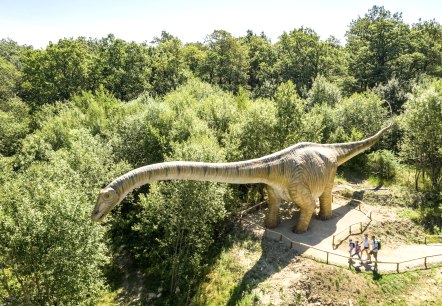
367 216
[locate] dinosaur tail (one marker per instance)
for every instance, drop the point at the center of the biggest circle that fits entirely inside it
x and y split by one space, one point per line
246 172
346 151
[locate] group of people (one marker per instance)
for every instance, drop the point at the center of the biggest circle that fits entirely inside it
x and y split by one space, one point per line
371 248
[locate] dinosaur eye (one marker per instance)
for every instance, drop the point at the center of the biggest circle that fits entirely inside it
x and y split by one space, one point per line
106 196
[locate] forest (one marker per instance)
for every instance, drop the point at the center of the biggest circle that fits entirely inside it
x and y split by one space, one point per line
82 111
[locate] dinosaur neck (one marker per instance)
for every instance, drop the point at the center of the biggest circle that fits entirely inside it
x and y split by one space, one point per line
346 151
246 172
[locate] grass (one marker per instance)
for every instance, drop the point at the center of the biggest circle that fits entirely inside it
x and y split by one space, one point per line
109 298
434 239
407 213
227 274
393 285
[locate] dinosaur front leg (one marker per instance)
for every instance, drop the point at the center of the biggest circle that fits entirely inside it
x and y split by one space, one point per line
325 200
303 198
272 218
325 204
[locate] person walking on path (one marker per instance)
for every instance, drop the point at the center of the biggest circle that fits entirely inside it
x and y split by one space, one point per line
351 246
374 248
366 243
357 250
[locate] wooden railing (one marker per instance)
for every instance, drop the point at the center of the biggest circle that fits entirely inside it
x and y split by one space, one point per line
367 215
251 208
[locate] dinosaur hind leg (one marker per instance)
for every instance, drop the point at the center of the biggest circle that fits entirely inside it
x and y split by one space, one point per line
273 215
304 199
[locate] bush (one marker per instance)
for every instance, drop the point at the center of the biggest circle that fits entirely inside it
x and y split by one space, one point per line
383 164
179 221
49 245
323 91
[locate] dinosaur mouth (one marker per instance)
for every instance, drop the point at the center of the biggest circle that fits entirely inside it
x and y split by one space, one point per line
97 216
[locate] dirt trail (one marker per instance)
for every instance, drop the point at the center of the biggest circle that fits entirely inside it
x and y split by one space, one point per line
320 236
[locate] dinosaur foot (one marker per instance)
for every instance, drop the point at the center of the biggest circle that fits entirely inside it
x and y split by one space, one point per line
271 225
297 230
324 216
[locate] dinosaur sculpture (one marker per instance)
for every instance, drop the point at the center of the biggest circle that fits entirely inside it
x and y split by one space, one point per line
299 174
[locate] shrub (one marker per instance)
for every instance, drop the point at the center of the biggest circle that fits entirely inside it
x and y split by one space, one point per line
383 163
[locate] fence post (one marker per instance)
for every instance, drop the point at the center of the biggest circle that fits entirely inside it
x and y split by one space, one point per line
349 229
327 257
425 262
333 242
425 239
397 267
291 244
360 226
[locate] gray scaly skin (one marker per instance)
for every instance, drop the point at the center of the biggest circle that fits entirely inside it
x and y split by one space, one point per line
299 174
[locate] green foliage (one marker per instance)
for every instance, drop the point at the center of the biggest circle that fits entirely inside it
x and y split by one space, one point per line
289 111
360 113
383 164
262 59
122 68
56 73
71 133
173 240
14 125
323 91
9 78
302 57
48 242
168 66
254 135
377 45
422 123
12 52
426 38
394 92
227 61
53 252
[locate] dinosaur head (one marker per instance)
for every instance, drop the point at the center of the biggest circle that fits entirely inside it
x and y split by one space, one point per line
107 199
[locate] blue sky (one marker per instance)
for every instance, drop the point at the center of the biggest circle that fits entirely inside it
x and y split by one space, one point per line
38 22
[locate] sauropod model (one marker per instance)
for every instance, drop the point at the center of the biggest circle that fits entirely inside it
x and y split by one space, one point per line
299 174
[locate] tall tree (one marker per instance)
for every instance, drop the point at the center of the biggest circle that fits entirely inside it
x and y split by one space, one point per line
422 125
426 38
122 68
227 61
302 56
262 59
169 69
56 73
377 45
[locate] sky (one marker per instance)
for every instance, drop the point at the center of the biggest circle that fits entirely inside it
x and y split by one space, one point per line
38 22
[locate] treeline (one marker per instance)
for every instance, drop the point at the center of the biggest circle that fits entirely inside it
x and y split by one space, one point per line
380 49
81 112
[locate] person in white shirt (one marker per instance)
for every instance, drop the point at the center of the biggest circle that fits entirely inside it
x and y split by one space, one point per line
366 243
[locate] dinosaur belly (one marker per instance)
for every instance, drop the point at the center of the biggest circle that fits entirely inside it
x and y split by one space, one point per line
282 193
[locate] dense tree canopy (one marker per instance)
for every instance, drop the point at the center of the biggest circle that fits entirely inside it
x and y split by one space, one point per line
80 112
